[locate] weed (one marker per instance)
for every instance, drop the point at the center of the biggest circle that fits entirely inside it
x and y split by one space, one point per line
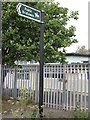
24 100
78 113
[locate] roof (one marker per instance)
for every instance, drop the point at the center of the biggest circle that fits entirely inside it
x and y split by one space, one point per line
77 54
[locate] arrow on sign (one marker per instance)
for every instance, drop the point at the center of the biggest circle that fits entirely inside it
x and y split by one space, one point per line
18 8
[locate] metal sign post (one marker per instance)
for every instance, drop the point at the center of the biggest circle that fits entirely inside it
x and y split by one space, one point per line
88 58
41 63
34 14
0 38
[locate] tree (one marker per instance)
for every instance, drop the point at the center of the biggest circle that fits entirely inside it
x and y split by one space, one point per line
82 50
21 36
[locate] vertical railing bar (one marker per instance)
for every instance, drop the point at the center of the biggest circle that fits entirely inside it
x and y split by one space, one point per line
12 74
31 83
46 86
67 86
21 73
57 91
26 81
34 83
10 81
77 83
81 87
32 80
85 91
38 81
22 78
43 82
64 86
16 81
19 83
2 80
88 87
6 80
24 86
51 84
70 87
13 81
60 90
3 77
74 87
54 89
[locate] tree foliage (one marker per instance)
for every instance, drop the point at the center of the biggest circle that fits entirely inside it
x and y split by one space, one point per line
21 36
82 50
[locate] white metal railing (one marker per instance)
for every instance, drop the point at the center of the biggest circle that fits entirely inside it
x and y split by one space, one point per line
64 85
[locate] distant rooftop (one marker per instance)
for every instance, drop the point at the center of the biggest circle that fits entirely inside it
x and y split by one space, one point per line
77 54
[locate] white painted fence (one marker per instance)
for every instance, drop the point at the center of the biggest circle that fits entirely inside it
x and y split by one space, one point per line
64 85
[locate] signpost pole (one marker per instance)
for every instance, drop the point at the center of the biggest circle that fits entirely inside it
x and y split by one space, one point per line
34 14
0 62
88 58
41 63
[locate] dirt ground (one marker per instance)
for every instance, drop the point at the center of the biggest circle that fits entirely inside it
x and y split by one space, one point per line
7 108
47 112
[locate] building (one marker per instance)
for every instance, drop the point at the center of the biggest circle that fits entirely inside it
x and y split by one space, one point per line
77 58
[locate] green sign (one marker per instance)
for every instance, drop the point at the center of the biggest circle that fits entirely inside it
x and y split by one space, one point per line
29 12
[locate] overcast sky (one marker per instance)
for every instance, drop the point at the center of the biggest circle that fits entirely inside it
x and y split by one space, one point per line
81 24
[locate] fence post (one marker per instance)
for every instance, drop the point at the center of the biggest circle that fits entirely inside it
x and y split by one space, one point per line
64 86
36 84
15 83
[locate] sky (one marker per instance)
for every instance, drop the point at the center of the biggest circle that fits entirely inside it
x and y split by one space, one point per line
81 24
